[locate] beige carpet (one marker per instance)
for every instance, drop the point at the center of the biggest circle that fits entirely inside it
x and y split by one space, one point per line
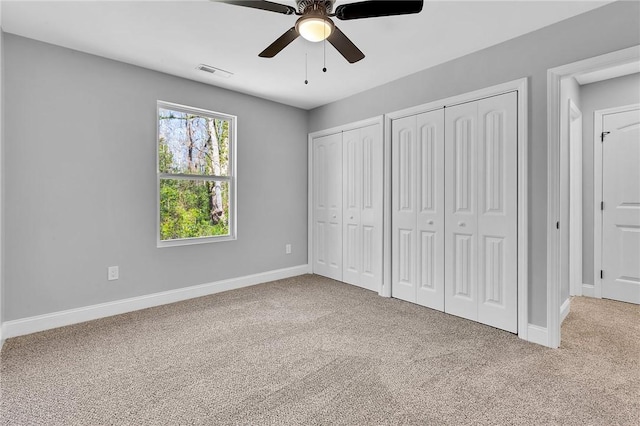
308 351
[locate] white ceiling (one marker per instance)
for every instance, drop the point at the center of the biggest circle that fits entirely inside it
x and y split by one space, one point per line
175 36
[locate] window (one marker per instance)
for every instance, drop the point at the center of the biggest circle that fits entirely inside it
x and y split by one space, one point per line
196 175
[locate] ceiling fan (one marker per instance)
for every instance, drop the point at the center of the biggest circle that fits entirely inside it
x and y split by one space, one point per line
315 22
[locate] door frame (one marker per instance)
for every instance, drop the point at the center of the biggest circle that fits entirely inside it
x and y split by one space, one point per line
575 174
522 87
1 187
598 115
326 132
551 336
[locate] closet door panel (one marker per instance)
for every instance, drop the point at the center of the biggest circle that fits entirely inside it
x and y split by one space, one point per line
352 205
497 212
371 207
461 227
404 209
430 209
327 205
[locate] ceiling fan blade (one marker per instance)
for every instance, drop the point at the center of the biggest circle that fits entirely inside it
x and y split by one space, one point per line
375 8
263 5
282 42
345 46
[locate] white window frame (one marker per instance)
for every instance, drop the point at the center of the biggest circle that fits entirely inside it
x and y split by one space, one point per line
231 178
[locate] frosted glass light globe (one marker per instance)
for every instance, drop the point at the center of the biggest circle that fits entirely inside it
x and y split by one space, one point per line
314 29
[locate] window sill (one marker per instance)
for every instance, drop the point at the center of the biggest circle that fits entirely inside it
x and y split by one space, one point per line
193 241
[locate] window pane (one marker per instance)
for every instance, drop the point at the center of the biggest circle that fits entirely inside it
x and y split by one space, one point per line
193 208
192 144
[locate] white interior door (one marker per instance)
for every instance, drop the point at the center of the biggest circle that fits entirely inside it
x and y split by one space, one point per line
371 213
481 211
362 207
327 206
352 204
430 209
404 209
418 209
461 212
497 212
621 214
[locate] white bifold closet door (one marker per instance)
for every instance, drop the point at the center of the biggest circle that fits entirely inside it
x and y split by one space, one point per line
417 243
454 210
481 211
347 206
327 206
362 207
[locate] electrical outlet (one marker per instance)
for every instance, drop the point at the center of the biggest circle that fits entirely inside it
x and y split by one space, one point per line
287 249
112 273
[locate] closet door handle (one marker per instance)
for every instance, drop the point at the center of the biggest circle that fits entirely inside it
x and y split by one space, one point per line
351 217
462 224
430 222
334 216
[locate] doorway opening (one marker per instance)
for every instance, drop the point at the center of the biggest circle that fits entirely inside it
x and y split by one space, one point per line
573 203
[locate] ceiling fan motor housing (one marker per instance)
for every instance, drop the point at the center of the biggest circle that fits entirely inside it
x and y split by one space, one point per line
324 7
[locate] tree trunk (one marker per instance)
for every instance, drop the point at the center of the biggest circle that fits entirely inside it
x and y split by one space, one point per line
191 165
215 191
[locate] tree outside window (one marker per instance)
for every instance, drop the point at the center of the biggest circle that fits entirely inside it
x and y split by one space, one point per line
196 177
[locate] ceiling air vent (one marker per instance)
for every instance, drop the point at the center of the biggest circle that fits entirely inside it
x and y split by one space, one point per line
215 71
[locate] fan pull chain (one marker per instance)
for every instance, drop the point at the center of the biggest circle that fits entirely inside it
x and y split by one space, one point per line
306 81
324 47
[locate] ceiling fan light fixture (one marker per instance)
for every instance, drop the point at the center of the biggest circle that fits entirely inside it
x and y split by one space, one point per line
314 28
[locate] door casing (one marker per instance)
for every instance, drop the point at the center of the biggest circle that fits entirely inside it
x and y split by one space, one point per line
575 193
550 336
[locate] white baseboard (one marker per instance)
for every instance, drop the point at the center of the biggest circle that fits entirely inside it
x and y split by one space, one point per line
564 309
537 334
34 324
588 290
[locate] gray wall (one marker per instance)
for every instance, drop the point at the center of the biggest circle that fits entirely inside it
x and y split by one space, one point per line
569 89
80 188
606 29
604 94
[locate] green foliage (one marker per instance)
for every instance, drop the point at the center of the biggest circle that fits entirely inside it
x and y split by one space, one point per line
186 204
185 212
